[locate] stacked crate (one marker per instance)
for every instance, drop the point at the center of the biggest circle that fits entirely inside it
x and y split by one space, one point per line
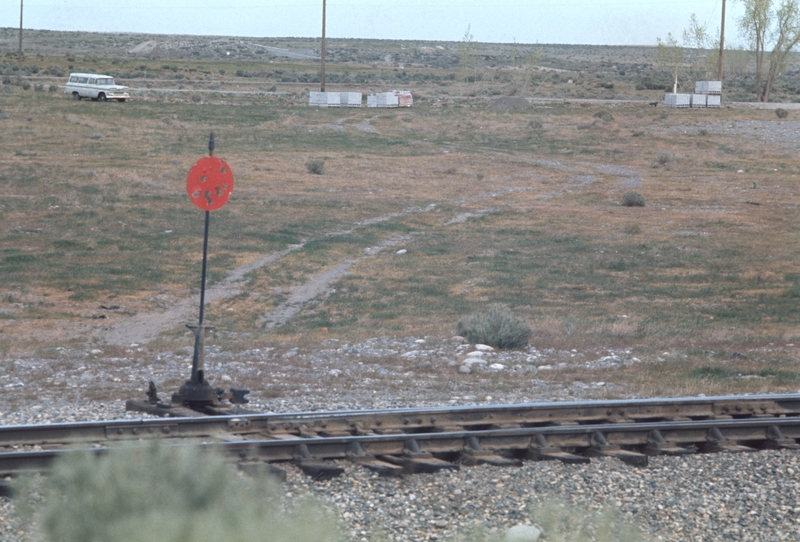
350 99
677 100
706 94
712 91
324 99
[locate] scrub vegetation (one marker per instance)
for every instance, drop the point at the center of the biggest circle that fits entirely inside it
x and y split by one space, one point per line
519 207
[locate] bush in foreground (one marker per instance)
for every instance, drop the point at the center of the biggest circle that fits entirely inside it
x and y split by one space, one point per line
165 494
781 113
497 327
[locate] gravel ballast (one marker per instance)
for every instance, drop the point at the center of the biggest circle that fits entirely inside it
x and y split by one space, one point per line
749 496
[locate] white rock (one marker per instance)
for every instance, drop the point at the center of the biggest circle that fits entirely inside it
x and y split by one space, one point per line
473 361
464 370
475 355
420 341
522 533
497 366
334 372
225 378
484 348
401 251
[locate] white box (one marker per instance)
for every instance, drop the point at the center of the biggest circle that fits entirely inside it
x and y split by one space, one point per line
387 99
699 101
372 100
708 87
350 99
324 99
677 100
713 100
315 99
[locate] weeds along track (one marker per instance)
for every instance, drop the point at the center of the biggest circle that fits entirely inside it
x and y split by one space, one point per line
394 442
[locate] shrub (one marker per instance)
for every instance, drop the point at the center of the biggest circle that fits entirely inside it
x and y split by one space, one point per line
781 113
664 158
164 494
604 115
497 327
633 199
315 166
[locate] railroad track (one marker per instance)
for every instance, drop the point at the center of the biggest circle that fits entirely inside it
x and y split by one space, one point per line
398 441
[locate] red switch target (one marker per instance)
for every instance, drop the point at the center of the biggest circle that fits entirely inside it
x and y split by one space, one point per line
210 183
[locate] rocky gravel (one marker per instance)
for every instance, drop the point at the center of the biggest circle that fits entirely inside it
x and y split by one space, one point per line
705 497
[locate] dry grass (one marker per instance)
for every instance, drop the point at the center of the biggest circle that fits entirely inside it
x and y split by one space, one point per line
494 212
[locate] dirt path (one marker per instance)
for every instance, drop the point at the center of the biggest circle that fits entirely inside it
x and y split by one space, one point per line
145 327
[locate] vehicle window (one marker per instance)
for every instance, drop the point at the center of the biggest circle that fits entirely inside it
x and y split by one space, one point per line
73 79
82 79
91 81
105 81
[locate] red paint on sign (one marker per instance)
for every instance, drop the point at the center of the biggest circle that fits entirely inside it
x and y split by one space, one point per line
210 183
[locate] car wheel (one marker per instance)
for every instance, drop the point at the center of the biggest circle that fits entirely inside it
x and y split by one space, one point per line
76 96
121 99
102 97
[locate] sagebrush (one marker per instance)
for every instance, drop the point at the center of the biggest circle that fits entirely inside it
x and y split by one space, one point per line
315 166
633 199
165 494
497 326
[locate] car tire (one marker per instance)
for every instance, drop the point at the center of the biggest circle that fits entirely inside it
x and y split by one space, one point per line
76 96
121 100
102 97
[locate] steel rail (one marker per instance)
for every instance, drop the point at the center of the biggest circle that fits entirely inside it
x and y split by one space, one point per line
414 452
408 420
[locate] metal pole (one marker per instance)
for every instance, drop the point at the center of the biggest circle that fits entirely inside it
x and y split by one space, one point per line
721 43
200 330
205 263
322 71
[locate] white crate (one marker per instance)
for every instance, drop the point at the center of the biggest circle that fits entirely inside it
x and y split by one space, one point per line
315 99
350 99
677 100
372 100
713 100
708 87
324 99
387 99
699 101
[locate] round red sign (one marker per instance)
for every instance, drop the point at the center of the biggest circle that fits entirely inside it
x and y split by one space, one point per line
210 183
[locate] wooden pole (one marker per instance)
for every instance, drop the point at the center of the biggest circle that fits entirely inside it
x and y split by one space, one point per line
322 56
721 43
20 33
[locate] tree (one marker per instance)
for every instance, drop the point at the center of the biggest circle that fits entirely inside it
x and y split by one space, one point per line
696 39
466 57
764 26
669 54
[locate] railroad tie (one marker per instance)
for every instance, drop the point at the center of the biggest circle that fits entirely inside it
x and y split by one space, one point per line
540 450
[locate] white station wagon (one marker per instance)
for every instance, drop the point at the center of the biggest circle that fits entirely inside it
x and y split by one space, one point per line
96 87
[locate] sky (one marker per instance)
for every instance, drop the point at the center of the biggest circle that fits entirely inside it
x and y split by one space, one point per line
590 22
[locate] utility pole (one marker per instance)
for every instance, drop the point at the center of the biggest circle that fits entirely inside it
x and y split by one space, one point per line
721 43
20 33
322 71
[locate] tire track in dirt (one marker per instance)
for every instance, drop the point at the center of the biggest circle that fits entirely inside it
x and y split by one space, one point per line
145 327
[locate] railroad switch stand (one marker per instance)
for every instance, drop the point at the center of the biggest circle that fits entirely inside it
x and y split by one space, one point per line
209 185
